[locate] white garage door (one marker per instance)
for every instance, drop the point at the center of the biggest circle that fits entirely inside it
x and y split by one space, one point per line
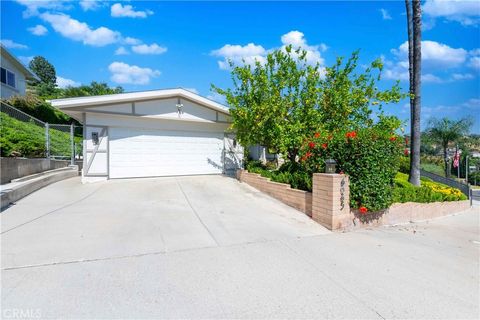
152 153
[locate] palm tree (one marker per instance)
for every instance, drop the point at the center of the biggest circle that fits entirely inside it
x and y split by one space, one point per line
414 27
446 131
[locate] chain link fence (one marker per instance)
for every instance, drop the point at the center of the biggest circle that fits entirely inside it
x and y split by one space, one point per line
22 135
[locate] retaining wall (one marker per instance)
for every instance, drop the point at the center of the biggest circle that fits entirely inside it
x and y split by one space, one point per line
13 168
299 199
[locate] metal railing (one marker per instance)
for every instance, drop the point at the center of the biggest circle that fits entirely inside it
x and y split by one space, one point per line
39 138
449 182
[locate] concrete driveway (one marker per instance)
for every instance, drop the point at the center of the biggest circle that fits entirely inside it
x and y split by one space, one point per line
210 247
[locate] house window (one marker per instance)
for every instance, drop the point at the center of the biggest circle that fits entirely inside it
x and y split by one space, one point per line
8 78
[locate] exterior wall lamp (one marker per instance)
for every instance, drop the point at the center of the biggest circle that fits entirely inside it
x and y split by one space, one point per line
330 166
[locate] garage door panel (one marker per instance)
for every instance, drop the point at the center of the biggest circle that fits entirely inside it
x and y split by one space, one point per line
145 153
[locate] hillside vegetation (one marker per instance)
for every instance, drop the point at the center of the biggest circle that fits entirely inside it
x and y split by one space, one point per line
24 139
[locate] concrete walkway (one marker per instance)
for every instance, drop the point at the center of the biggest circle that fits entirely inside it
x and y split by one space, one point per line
210 247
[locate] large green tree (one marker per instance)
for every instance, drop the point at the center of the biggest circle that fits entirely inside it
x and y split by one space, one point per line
274 103
280 102
446 131
44 70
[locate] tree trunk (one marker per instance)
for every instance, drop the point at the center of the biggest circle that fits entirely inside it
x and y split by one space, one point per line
408 8
414 177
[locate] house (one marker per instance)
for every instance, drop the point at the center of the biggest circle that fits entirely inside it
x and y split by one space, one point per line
153 133
14 75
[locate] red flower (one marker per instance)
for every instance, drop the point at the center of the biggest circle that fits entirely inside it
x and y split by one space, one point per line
311 145
317 135
324 145
393 138
363 210
351 135
406 152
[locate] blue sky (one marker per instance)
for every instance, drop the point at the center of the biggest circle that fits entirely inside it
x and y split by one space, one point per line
150 44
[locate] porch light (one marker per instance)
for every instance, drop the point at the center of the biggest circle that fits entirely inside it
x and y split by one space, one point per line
330 166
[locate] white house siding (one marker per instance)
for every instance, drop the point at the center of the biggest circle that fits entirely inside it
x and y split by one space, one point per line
7 91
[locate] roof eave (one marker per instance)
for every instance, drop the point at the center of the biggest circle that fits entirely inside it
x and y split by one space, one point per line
29 74
65 104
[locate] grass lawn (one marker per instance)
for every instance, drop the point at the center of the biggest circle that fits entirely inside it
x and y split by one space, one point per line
433 168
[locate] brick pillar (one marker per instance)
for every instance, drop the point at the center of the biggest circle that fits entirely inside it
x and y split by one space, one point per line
328 207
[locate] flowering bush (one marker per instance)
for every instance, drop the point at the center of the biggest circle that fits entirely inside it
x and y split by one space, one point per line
370 156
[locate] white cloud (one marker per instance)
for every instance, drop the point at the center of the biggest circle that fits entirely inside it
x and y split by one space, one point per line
118 10
25 60
64 82
38 30
435 54
428 77
462 76
10 44
80 31
473 103
436 57
149 49
132 41
121 51
474 62
32 7
90 4
239 54
385 14
297 40
466 12
123 73
251 52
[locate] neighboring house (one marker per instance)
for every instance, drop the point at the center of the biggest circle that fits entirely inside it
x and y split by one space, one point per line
153 133
13 75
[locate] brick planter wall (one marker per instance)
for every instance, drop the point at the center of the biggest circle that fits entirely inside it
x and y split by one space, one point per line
299 199
329 203
400 213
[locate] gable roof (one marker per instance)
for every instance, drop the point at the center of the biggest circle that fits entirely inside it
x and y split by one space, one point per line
26 71
64 104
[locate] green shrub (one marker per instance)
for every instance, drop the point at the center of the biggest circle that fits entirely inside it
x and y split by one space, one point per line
297 179
39 109
404 164
429 191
